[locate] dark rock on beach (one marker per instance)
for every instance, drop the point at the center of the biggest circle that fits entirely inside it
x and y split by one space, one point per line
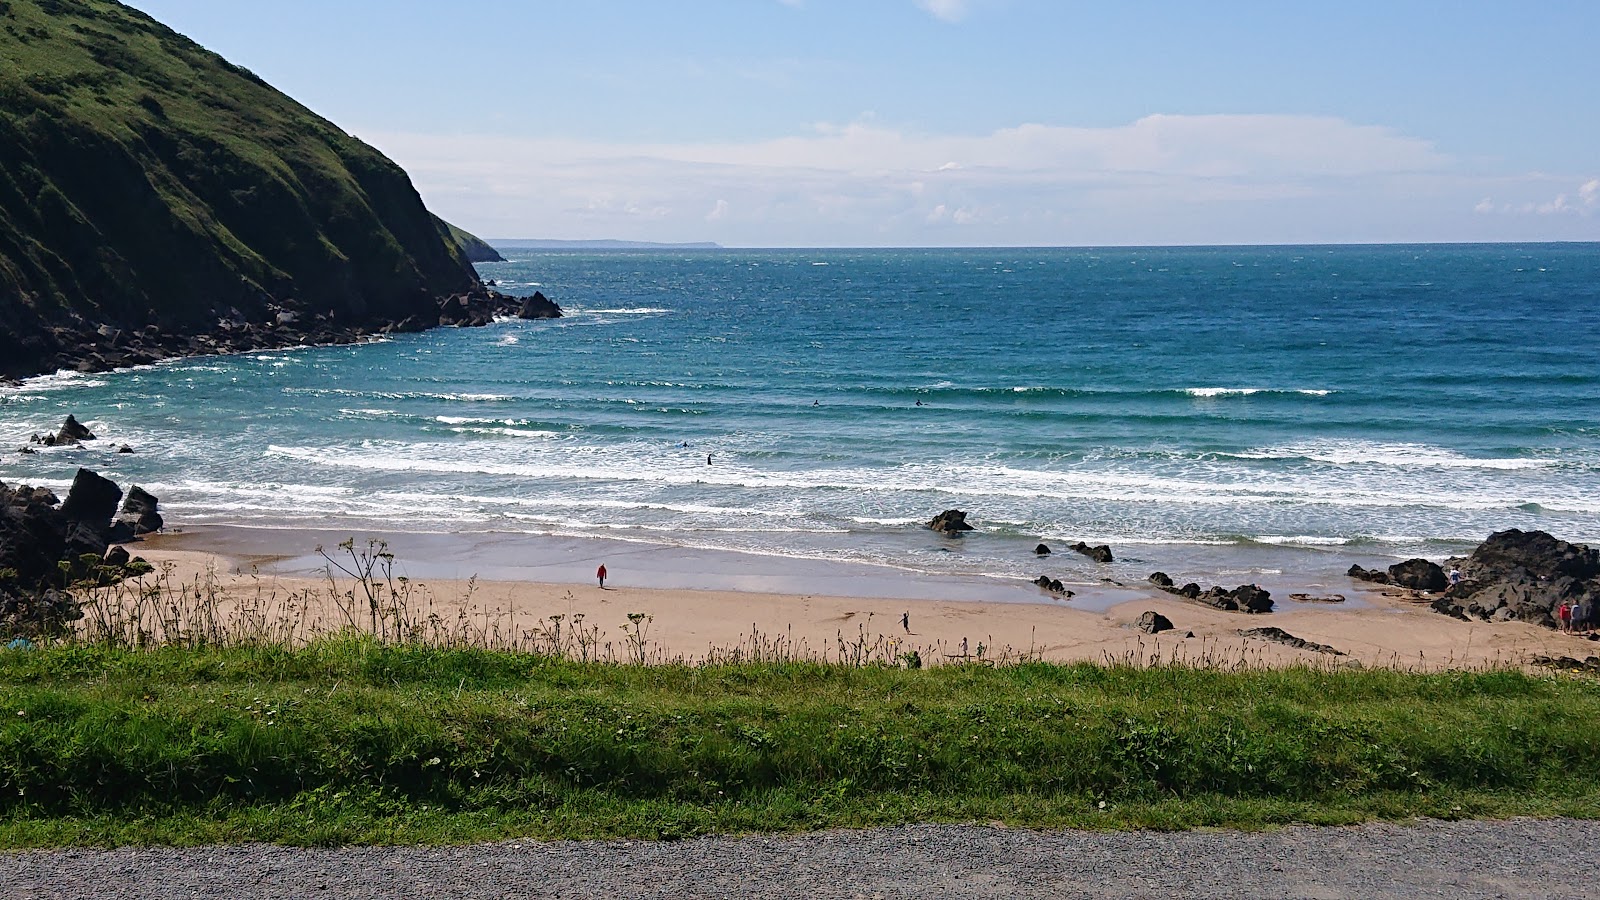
1279 636
46 546
951 521
1152 622
1413 574
1042 550
1246 598
1053 585
1522 575
1418 575
139 515
1100 554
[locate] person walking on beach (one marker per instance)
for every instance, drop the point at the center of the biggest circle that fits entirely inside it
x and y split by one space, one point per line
1455 576
905 621
600 573
1564 617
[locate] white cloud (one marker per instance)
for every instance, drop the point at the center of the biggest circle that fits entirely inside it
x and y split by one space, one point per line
945 10
1161 179
1583 201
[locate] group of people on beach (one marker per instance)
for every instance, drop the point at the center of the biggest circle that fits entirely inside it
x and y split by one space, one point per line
1577 616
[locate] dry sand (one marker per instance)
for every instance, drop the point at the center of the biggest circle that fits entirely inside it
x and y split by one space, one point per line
1375 628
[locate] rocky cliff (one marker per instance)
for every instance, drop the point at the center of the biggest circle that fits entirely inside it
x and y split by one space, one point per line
157 200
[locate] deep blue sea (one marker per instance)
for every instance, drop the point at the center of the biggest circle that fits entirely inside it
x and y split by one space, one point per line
1226 404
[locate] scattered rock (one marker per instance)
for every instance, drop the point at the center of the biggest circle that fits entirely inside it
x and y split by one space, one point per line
1587 664
117 556
951 521
1279 636
1041 550
124 449
1245 598
1152 622
1100 554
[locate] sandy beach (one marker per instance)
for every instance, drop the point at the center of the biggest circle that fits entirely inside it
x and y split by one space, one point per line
717 605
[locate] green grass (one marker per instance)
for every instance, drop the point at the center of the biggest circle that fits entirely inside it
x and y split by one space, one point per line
348 741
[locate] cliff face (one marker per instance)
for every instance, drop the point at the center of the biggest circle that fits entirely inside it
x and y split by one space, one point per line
148 187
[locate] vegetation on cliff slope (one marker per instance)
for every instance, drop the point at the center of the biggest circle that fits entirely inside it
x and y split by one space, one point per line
149 186
476 248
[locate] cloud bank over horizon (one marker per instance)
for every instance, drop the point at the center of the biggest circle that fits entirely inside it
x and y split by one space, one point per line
1180 179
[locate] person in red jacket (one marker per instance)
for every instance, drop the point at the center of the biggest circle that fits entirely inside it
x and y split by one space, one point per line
600 573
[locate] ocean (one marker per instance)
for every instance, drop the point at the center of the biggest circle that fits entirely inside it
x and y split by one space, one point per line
1220 413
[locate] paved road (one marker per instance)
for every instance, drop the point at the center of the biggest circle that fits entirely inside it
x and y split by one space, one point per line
1519 858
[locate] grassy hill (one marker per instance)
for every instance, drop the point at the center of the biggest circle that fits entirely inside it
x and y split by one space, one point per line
476 248
148 186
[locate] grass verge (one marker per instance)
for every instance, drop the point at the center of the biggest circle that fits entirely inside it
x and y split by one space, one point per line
348 740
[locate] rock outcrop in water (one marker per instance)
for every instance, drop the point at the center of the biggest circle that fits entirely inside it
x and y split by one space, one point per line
46 546
158 201
1522 575
1100 553
951 521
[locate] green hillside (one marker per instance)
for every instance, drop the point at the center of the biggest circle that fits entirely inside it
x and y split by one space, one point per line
149 187
476 248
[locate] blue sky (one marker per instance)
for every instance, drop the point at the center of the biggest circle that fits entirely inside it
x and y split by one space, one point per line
956 122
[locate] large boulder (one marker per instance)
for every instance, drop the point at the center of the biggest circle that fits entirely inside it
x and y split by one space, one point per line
1536 552
1522 575
92 498
539 307
1100 554
1152 622
33 534
1418 575
951 521
90 504
139 512
72 431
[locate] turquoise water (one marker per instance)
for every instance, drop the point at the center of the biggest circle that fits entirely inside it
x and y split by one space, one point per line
1208 408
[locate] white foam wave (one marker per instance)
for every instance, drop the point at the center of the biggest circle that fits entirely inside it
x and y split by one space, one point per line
57 381
506 432
400 395
621 311
1196 485
1301 540
1214 392
1357 453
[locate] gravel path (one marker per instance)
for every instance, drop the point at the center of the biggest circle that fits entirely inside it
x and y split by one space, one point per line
1518 858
